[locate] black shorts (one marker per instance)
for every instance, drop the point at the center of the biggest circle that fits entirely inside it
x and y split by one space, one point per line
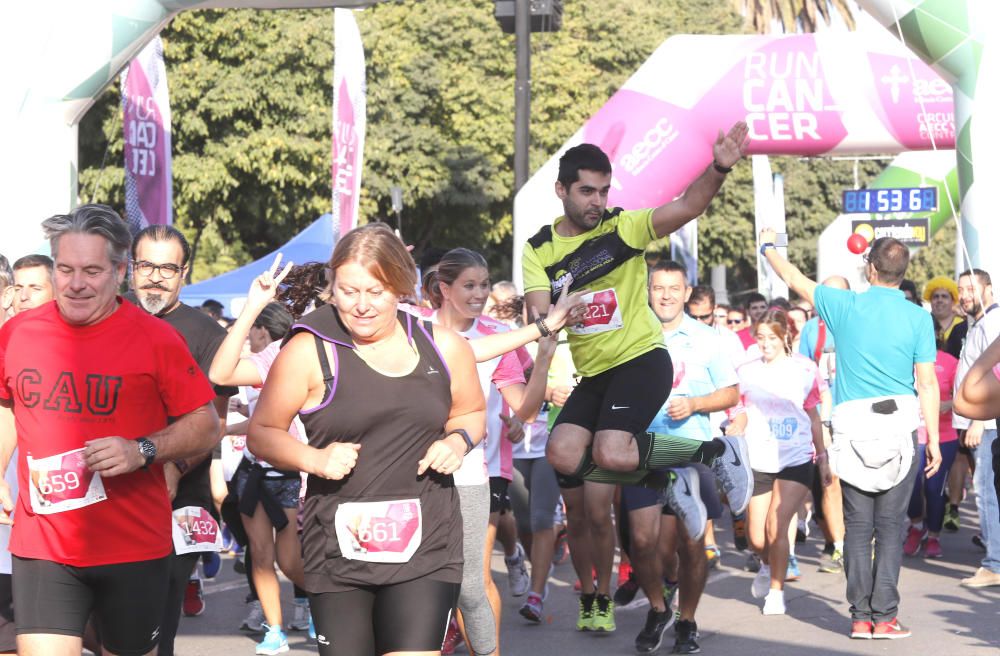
499 498
411 616
127 600
637 498
626 398
763 482
8 637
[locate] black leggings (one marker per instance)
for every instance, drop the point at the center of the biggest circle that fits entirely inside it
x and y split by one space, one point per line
375 620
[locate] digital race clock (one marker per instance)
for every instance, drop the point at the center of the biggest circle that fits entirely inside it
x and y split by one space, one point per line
868 201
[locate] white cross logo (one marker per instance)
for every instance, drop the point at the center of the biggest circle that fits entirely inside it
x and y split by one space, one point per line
895 79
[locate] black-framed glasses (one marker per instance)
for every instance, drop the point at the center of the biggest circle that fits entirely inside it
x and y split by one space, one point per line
146 269
703 317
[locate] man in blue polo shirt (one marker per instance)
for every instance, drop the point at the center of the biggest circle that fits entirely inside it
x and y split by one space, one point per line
882 341
704 382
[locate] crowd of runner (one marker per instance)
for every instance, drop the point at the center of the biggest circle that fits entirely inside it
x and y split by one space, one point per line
375 433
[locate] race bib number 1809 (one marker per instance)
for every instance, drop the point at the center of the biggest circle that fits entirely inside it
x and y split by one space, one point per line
62 482
603 314
379 531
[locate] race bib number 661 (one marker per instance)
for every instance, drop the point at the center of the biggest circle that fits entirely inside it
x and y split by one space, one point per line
379 531
62 482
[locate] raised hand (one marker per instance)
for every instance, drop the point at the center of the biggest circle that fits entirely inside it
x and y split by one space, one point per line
568 308
730 148
264 287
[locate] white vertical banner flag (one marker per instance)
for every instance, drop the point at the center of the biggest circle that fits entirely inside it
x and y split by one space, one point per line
146 123
348 120
769 212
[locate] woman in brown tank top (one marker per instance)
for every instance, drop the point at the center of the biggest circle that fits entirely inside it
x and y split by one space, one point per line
391 406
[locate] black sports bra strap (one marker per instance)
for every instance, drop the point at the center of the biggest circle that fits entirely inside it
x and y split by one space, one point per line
324 362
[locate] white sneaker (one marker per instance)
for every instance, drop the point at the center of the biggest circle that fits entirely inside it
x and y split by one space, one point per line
774 603
300 620
761 582
255 618
517 573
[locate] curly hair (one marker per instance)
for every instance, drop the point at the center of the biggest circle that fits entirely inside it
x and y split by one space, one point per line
305 286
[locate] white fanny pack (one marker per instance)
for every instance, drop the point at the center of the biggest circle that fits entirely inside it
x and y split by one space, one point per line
873 443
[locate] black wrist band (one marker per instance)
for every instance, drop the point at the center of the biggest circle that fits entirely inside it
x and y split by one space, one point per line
542 328
469 446
721 169
765 246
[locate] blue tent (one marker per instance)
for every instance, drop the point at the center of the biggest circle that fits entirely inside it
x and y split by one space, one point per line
314 244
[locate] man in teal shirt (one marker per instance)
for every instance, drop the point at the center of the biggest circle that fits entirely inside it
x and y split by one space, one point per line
882 339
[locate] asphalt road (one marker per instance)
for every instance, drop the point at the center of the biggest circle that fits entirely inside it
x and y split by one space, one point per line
946 618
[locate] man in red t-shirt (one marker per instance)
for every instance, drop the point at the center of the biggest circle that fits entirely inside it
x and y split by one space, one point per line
88 385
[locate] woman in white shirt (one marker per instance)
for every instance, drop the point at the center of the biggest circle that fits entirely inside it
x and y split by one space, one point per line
780 393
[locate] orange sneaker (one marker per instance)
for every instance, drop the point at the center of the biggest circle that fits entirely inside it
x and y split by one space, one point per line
891 630
861 630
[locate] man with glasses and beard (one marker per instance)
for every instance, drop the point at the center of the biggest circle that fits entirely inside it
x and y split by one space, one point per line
160 259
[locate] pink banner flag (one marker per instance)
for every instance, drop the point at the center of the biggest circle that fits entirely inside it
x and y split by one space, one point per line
146 122
348 121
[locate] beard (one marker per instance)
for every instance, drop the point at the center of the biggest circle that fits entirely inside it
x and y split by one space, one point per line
152 302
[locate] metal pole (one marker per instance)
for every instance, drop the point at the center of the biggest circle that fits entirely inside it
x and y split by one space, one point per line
522 91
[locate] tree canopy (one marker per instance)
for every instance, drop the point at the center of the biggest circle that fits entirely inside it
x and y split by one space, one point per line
251 102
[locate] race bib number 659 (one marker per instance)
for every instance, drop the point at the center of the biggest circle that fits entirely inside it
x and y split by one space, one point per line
62 482
379 531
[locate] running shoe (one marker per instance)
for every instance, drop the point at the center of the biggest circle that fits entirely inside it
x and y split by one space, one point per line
604 615
740 533
792 572
532 608
891 630
687 634
301 616
732 469
452 638
194 599
932 548
683 496
833 563
713 554
517 574
211 563
761 583
586 620
952 522
914 540
753 563
275 642
651 636
627 594
861 630
774 603
254 621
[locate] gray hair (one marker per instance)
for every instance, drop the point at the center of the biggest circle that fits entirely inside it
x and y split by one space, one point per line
91 219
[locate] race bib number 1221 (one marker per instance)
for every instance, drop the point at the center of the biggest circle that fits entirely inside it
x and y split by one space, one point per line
603 314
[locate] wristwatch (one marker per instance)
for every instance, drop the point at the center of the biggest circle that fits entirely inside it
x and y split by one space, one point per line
147 450
766 245
469 446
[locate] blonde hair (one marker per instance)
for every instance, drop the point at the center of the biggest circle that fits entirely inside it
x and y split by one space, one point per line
378 249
